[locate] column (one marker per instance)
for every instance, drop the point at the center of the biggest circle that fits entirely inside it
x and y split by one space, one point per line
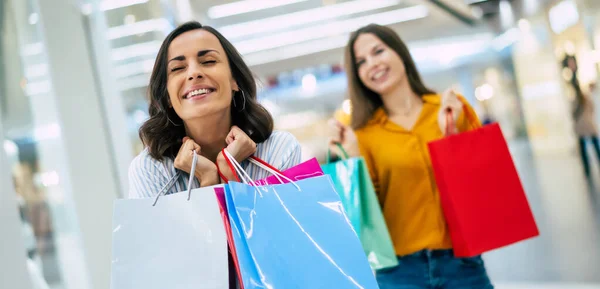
91 180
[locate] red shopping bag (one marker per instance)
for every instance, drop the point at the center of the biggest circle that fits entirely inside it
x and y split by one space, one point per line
481 194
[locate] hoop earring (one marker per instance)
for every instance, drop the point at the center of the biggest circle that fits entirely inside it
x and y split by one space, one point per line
243 101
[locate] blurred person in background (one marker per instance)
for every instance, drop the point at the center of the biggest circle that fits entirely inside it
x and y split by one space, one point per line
394 116
203 99
585 123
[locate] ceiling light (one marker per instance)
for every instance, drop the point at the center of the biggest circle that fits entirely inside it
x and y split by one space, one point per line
245 6
33 49
305 48
506 39
36 71
136 50
421 51
134 68
115 4
303 17
330 29
563 16
11 148
160 24
107 5
33 18
309 82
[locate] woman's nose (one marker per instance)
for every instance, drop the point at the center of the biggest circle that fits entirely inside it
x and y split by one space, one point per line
195 72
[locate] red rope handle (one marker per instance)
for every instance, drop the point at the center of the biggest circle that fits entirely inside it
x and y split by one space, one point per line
231 167
221 174
266 164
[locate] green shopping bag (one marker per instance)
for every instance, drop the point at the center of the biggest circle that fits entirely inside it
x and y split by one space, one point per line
353 183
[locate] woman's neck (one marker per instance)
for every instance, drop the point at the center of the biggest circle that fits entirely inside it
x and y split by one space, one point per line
400 100
210 133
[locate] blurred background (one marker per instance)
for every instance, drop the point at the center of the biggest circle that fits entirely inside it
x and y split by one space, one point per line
73 82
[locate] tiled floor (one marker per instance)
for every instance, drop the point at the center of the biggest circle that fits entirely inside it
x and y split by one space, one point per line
567 209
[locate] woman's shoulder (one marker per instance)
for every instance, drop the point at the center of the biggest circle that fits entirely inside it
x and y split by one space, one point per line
145 162
279 138
281 150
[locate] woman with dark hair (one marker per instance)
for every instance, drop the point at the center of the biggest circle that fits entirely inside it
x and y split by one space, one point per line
203 99
394 116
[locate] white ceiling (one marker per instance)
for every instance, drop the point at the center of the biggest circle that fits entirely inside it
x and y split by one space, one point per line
429 34
437 24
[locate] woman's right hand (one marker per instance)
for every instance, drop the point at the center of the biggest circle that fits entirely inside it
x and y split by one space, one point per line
345 136
206 171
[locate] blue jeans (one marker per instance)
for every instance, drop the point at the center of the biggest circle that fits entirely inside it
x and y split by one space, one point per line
435 269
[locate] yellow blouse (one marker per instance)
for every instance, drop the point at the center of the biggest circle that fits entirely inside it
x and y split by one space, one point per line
400 167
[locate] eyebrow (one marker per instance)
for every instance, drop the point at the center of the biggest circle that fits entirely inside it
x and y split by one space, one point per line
200 54
372 49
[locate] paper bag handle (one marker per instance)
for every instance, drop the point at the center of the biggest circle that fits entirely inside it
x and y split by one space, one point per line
341 148
190 180
451 124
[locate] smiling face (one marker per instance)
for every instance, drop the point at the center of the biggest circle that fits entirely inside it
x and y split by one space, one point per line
199 79
379 67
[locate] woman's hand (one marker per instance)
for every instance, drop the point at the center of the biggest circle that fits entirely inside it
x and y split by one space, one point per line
450 103
344 136
206 171
240 146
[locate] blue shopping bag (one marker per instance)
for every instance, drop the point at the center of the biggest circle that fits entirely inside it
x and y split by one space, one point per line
295 235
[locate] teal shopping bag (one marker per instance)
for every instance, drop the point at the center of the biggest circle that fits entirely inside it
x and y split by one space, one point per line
353 183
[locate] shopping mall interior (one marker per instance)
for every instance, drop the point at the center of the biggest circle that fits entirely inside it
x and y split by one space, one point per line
74 76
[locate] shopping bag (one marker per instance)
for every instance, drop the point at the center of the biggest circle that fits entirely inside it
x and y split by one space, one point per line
302 171
178 243
481 194
353 183
295 235
305 170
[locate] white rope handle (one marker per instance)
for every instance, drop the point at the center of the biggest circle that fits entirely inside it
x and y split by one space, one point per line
190 180
246 179
192 174
274 172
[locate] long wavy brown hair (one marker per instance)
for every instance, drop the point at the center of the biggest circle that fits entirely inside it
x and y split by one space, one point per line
365 101
163 132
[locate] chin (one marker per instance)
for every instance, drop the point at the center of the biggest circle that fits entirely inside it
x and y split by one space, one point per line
206 109
383 89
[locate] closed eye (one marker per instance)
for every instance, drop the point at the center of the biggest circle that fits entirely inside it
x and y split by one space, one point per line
176 68
360 62
209 62
378 51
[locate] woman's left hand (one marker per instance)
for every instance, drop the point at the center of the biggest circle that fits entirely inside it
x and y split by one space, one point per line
239 144
450 103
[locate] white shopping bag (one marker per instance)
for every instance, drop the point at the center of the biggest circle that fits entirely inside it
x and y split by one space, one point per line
180 243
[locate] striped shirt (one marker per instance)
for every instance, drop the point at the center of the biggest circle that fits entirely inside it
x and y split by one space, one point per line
149 176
